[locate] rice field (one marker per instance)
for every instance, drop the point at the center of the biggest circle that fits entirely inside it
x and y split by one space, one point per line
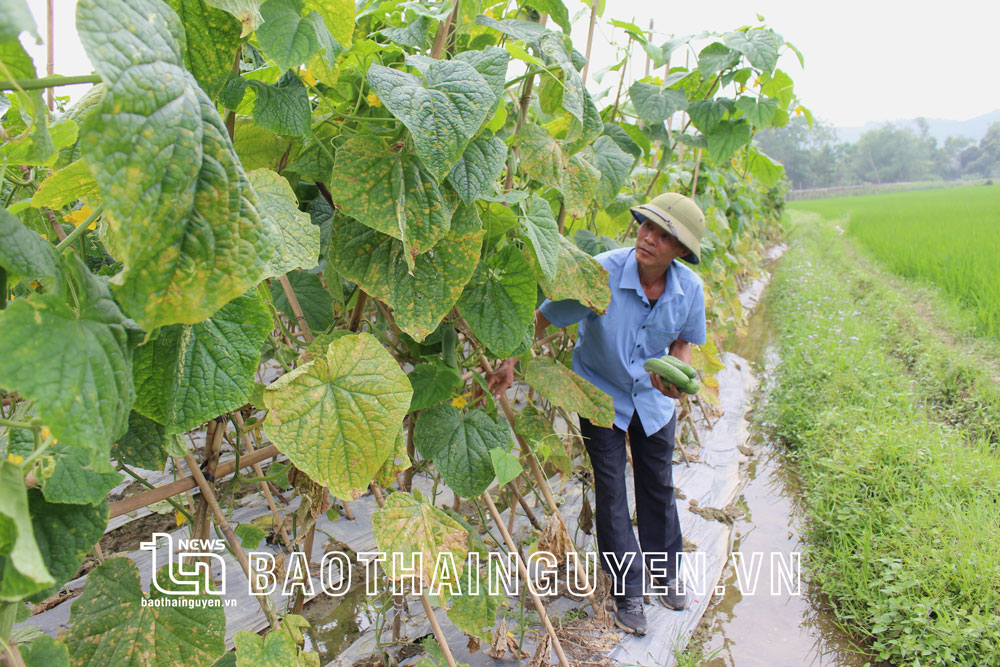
949 238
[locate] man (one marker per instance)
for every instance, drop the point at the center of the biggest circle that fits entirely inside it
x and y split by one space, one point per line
657 304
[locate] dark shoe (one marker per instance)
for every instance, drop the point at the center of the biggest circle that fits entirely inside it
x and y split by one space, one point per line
673 598
630 616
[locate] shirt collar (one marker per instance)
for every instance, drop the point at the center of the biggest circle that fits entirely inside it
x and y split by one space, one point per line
630 279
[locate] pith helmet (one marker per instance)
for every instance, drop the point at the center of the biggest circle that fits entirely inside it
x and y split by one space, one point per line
680 216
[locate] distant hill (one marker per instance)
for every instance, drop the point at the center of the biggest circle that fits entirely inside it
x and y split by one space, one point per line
939 128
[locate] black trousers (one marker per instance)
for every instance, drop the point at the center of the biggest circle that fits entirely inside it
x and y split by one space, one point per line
659 523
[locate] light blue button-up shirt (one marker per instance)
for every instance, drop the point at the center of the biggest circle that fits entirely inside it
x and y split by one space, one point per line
611 348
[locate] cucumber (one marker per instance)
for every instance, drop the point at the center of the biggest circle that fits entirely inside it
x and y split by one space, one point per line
449 346
688 371
670 373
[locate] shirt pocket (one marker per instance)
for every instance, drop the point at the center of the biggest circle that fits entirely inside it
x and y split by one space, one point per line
658 340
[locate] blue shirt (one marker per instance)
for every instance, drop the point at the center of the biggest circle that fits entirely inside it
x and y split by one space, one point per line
611 348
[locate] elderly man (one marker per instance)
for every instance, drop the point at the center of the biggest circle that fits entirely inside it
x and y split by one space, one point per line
657 304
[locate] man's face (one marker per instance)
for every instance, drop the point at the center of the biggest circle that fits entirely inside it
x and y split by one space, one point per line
655 247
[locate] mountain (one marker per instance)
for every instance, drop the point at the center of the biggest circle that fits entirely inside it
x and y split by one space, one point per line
939 128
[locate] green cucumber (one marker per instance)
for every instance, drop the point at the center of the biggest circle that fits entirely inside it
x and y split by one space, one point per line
670 373
688 371
449 346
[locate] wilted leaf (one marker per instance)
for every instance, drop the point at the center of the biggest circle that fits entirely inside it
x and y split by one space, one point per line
540 228
63 187
578 276
297 238
570 391
407 526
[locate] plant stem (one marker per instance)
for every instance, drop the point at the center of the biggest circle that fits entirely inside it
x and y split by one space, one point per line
3 288
48 82
80 230
293 301
177 506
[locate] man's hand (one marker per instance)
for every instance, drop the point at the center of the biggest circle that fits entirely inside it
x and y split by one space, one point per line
500 379
666 390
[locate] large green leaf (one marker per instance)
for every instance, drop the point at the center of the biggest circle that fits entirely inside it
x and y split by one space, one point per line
532 425
416 35
727 138
578 276
75 363
767 171
247 12
282 107
443 111
337 416
459 444
189 374
298 238
212 37
143 445
24 571
390 192
476 172
623 140
433 382
378 264
706 114
654 105
491 63
716 57
540 155
760 112
539 226
568 390
338 15
110 625
259 147
407 526
474 613
44 651
65 186
759 45
314 300
26 255
179 208
65 535
614 165
78 477
290 39
16 18
578 186
499 301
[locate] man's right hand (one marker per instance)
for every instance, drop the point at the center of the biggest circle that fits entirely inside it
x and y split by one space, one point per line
501 378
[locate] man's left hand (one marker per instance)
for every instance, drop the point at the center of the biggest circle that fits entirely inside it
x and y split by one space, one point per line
665 389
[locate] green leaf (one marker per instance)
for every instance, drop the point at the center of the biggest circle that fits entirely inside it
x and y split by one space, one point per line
623 140
568 390
338 15
433 382
706 114
44 651
474 614
578 276
555 9
442 112
189 374
759 45
314 163
298 239
541 157
336 417
537 430
407 526
247 12
28 256
579 185
314 299
79 477
212 37
290 39
41 145
65 186
477 171
526 31
459 444
716 57
392 193
654 105
779 86
109 623
65 534
282 107
506 466
378 264
143 445
766 170
258 147
614 165
491 63
76 364
539 226
179 208
760 113
415 35
276 649
250 536
499 301
24 572
727 138
16 19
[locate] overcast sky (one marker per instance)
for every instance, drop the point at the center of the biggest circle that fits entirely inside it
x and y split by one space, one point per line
864 60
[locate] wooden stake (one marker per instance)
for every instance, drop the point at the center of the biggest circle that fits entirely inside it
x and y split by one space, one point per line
293 301
590 40
649 38
694 181
442 33
50 52
438 632
522 568
279 524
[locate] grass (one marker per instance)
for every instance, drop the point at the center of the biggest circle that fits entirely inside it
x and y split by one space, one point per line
903 505
949 238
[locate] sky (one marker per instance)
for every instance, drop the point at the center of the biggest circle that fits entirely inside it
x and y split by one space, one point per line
865 61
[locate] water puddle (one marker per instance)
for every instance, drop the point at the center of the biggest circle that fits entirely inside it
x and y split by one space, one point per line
770 627
337 621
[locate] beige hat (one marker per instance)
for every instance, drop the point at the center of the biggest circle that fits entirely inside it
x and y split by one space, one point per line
680 216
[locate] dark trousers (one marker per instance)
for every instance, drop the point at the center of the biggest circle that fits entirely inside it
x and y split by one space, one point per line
659 523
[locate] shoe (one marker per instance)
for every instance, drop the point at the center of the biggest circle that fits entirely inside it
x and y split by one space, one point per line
630 616
673 598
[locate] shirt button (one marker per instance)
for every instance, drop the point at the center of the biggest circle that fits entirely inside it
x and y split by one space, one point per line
635 395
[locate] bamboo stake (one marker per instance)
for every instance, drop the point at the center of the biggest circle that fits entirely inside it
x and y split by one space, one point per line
438 632
694 181
50 49
522 568
590 40
442 33
238 419
227 530
411 451
649 38
293 301
359 308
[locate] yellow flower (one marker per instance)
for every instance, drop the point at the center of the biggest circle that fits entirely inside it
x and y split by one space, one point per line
489 12
308 77
16 460
46 433
179 517
373 100
458 402
799 110
81 214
